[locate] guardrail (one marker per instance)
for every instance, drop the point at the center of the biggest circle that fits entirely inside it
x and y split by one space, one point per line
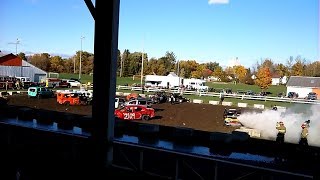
213 94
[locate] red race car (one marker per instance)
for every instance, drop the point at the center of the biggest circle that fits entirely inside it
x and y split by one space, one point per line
135 112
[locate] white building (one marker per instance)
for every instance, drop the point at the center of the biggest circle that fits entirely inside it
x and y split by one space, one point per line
303 85
169 81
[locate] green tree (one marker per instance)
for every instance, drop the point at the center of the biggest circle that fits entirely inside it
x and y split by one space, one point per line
125 61
22 56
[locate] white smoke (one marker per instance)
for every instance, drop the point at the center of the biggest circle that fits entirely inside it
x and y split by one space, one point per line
293 118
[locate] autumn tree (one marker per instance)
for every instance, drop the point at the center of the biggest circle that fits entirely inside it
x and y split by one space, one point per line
313 69
56 64
248 78
212 65
263 78
269 64
282 70
240 73
220 74
188 66
298 67
41 61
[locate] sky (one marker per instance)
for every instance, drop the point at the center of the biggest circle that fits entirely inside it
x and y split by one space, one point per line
202 30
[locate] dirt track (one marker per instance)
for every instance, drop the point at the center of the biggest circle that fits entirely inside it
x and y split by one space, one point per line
203 117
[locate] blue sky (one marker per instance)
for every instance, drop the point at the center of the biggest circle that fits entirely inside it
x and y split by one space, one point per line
203 30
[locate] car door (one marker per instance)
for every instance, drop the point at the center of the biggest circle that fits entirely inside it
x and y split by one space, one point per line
130 114
138 113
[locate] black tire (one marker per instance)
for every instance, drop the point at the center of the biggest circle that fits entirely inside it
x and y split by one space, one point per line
145 117
67 103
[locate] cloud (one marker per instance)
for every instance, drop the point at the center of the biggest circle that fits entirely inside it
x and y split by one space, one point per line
218 1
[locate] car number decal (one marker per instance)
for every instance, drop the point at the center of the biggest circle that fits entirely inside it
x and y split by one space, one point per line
129 115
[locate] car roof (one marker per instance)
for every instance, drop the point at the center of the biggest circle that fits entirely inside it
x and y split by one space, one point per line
135 105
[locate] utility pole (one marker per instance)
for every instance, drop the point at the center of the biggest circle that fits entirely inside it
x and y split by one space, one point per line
74 64
121 64
142 69
142 59
82 37
16 43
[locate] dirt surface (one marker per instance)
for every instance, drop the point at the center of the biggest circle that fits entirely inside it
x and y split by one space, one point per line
205 117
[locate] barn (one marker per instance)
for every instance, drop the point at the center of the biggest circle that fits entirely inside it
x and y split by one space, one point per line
303 85
14 66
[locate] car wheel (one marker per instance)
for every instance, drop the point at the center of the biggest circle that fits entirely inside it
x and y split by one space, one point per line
145 117
67 103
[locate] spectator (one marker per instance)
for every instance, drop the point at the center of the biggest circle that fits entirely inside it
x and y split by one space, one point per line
221 97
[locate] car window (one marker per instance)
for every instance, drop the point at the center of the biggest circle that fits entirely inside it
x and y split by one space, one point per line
142 102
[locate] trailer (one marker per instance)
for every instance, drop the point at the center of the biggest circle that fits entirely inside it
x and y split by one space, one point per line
197 84
168 81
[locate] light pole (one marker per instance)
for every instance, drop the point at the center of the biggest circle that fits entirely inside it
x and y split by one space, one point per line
142 86
82 37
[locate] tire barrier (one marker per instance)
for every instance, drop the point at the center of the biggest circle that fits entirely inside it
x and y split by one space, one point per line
225 103
242 104
197 101
258 106
26 114
119 93
214 102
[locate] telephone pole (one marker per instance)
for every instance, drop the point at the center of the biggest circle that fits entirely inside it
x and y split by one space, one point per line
82 37
16 43
142 68
121 64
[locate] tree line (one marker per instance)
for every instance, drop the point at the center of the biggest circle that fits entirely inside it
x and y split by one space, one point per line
129 64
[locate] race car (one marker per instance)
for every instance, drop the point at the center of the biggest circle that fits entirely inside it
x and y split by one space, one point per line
231 112
231 117
232 121
135 112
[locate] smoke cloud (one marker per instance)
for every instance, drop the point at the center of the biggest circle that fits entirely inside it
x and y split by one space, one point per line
292 117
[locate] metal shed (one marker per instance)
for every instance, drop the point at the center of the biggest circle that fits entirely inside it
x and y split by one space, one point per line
26 69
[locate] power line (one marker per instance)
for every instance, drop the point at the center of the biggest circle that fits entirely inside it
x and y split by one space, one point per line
16 43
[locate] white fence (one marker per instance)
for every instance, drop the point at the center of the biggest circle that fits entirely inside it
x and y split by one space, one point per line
213 94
